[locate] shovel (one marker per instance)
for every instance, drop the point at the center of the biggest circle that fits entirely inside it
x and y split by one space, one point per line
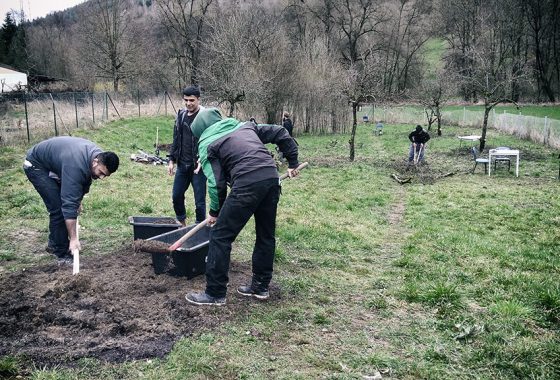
152 246
301 166
76 253
417 156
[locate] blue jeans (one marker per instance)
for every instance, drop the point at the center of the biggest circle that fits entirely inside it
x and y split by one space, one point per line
260 200
411 152
184 176
49 190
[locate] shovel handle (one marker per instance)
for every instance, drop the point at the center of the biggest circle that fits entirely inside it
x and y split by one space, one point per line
76 252
301 166
186 236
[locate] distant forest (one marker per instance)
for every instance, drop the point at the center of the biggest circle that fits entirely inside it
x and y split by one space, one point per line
316 53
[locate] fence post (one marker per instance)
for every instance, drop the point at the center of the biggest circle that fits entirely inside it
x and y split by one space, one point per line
138 92
76 110
54 114
26 117
92 109
106 111
165 100
546 132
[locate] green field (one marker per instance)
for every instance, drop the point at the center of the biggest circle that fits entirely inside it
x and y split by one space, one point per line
451 276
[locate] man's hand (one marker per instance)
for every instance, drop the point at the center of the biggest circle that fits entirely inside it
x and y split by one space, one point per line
75 245
293 172
71 226
170 167
198 167
211 220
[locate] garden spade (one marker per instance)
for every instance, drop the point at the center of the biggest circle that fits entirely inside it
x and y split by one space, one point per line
417 154
76 253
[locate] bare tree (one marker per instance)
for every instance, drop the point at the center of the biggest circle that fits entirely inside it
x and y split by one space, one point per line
406 31
109 42
489 76
225 72
542 16
433 93
185 23
362 84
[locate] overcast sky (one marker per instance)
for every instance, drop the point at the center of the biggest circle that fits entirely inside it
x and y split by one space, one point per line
35 8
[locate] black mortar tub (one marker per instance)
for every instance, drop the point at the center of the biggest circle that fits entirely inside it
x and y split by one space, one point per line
145 227
189 260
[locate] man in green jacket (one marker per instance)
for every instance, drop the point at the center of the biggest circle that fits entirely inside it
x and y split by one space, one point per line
233 152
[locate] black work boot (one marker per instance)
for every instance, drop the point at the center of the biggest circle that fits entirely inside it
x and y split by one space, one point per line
205 299
256 289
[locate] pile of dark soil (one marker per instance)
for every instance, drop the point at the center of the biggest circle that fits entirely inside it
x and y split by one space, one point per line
116 309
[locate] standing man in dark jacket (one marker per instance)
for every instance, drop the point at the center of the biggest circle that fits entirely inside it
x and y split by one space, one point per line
61 170
418 139
234 152
287 123
184 155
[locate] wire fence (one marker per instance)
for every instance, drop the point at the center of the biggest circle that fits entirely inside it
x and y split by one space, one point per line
34 117
538 129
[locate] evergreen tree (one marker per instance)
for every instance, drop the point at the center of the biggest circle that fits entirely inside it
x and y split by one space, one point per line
7 34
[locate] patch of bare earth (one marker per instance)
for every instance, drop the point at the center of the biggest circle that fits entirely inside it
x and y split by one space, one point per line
115 309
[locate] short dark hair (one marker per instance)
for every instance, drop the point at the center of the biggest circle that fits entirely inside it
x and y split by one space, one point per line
418 128
110 160
191 91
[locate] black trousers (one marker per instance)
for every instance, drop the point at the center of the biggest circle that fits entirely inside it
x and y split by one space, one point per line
261 200
49 190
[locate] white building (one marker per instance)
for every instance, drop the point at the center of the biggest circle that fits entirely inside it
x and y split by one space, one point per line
11 80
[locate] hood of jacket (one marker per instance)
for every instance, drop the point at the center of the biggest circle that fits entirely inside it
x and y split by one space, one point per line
204 119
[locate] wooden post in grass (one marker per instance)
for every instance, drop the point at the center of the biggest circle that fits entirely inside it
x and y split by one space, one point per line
165 101
26 117
92 109
138 97
54 115
106 110
76 110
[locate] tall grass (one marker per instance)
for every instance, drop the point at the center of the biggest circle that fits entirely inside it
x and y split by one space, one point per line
456 277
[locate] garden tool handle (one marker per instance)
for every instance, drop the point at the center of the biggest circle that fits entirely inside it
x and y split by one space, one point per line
301 166
189 234
76 253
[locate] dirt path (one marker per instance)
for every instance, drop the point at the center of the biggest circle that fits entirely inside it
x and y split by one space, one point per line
116 309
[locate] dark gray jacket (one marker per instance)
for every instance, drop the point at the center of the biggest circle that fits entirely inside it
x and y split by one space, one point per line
184 148
70 158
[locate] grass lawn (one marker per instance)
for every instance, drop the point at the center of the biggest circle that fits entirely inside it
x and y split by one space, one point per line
451 276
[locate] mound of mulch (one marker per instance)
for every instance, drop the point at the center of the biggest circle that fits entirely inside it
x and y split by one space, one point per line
115 309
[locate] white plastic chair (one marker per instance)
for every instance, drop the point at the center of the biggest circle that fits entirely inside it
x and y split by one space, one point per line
478 160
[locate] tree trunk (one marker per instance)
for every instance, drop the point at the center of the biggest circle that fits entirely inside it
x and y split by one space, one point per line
487 109
438 118
354 126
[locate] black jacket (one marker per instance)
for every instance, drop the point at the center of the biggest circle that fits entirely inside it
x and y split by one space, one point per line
419 137
288 125
184 151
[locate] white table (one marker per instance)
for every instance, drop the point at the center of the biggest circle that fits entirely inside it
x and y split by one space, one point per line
504 152
471 138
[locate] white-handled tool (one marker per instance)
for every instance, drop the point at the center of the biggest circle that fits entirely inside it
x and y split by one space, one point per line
76 252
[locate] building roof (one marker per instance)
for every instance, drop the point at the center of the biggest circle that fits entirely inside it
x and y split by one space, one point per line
4 70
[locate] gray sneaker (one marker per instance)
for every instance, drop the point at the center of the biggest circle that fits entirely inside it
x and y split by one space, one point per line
205 299
250 291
